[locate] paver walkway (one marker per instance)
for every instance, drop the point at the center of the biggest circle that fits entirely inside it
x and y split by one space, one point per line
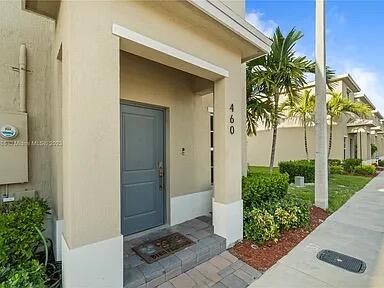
222 271
204 264
356 229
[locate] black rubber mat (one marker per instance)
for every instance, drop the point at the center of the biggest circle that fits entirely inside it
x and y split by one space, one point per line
154 250
343 261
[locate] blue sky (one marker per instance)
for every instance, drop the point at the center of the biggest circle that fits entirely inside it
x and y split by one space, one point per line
355 42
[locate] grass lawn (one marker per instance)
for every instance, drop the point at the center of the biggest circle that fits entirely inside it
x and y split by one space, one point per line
341 188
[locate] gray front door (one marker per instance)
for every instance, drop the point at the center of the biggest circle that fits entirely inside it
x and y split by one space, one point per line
142 163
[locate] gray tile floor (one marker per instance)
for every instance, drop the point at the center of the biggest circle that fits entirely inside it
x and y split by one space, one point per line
204 264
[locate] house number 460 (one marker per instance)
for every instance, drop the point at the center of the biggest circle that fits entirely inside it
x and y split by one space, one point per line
231 120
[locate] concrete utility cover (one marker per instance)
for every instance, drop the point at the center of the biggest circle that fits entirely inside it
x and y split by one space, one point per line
343 261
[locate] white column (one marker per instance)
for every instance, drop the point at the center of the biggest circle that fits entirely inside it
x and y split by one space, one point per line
359 148
92 243
321 173
227 203
243 122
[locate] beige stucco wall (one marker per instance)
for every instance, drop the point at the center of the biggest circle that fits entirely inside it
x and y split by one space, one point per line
187 118
290 145
17 27
91 101
290 139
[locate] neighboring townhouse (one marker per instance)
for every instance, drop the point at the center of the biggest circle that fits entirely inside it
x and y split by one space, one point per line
352 137
362 133
126 90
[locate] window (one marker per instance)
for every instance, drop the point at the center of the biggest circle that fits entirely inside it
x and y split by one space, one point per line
350 95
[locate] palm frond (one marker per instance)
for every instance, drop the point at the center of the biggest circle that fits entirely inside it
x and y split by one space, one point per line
337 105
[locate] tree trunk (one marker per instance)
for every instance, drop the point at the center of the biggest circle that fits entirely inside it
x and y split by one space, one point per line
274 135
306 140
330 137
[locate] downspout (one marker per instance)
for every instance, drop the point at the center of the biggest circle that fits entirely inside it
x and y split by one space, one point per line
23 77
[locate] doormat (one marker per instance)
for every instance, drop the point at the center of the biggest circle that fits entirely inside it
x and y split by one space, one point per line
343 261
154 250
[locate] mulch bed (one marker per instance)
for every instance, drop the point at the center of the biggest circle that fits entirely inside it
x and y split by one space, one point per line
265 256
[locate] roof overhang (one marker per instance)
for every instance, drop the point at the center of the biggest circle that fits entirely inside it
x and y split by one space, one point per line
346 78
238 25
378 114
48 8
361 123
252 42
151 49
364 98
376 128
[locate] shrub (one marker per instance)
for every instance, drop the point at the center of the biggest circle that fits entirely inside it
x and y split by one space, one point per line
336 169
381 163
30 274
290 212
350 164
365 170
298 168
259 188
260 226
334 162
373 149
20 223
264 224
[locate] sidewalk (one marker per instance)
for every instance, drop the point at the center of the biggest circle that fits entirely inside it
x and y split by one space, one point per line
356 229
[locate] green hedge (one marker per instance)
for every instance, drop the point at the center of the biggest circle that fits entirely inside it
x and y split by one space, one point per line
336 169
265 223
350 164
334 162
20 224
331 162
268 209
298 168
291 212
260 226
306 169
365 170
30 274
259 188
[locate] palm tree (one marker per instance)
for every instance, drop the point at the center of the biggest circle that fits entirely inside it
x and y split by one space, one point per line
303 109
338 106
277 73
259 106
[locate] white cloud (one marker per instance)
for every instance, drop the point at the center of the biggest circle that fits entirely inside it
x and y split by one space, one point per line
370 84
266 26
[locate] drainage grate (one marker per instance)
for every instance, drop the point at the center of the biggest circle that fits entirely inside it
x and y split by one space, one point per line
343 261
154 250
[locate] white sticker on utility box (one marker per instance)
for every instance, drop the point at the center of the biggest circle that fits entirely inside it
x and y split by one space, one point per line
8 132
13 147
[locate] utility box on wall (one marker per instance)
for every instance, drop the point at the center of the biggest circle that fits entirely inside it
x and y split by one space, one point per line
13 147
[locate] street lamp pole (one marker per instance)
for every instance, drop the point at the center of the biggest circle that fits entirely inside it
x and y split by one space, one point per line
321 158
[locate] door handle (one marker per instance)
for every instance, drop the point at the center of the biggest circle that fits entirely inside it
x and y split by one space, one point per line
161 175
